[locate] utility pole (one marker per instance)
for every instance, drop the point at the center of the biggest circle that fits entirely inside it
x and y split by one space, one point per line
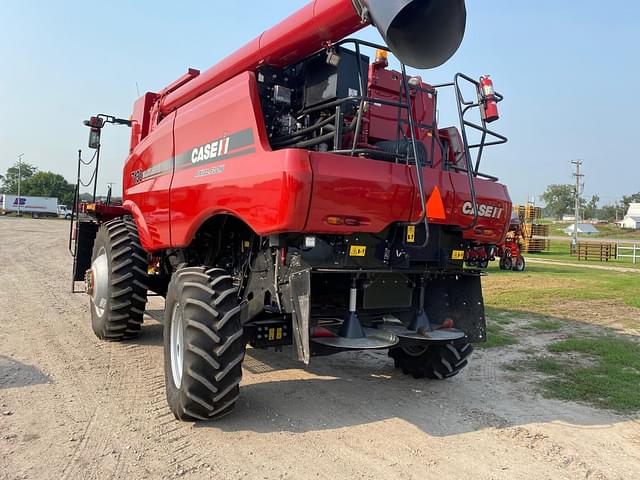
578 176
19 179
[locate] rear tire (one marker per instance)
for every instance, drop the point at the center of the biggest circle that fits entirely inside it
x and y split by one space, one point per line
519 264
119 281
203 344
436 361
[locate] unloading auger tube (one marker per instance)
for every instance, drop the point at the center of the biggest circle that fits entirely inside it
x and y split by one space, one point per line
420 33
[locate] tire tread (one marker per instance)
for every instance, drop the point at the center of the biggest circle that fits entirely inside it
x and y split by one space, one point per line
128 292
437 362
215 348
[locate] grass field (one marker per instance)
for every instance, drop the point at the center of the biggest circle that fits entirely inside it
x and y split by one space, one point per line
544 288
589 320
604 231
559 251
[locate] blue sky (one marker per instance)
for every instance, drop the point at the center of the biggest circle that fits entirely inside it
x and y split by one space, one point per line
568 71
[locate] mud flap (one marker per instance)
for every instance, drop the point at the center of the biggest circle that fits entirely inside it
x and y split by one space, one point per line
300 288
85 238
458 298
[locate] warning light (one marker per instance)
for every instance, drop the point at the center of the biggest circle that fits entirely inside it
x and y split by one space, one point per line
348 221
382 57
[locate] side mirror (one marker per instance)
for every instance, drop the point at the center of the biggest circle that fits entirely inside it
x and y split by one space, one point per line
95 124
94 138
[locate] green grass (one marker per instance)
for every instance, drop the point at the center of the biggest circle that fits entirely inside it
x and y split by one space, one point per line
497 337
613 231
543 288
559 251
604 231
546 325
547 366
603 371
501 317
613 381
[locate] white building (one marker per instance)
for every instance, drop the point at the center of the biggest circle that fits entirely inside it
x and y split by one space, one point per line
632 219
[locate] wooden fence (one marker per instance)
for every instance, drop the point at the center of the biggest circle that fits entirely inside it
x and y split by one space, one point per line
594 251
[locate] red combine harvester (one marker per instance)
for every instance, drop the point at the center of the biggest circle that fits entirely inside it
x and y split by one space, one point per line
301 193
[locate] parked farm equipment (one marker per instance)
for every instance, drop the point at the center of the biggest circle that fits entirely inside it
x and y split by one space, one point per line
299 193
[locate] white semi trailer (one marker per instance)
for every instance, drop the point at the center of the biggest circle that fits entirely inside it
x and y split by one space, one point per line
34 206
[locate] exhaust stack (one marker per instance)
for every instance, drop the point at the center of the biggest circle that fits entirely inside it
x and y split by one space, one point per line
421 33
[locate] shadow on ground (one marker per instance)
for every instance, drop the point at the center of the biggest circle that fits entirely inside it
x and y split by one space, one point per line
278 394
362 389
15 374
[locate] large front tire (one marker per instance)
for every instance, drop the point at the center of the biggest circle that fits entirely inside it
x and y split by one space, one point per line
117 281
435 361
203 344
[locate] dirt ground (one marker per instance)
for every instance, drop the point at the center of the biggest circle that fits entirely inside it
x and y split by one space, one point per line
72 407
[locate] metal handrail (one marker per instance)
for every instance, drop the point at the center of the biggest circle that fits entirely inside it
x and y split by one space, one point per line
464 107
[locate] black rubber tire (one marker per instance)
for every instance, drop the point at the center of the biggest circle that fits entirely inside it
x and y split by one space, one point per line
436 361
484 264
213 344
124 311
506 263
519 265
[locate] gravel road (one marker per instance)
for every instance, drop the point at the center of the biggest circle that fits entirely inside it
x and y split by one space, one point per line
72 407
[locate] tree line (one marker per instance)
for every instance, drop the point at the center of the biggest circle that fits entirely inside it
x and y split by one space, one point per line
36 183
560 200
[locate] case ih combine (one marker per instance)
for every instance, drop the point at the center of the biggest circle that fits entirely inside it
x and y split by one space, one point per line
302 193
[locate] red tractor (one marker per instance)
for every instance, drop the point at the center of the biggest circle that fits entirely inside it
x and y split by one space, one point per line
302 193
510 251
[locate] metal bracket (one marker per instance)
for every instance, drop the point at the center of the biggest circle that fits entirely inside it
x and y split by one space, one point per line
362 10
300 288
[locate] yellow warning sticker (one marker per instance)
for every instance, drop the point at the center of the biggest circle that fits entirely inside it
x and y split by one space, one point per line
272 334
357 251
457 255
279 334
411 234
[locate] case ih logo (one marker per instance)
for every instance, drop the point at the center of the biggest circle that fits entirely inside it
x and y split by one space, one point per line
20 201
486 211
210 151
230 146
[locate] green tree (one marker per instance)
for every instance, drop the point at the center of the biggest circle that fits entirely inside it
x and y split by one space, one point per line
591 208
10 179
559 199
49 184
627 199
611 213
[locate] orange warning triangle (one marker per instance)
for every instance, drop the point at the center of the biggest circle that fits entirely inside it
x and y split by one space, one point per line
435 206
